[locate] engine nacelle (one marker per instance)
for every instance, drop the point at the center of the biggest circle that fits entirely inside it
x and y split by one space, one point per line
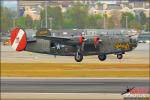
81 39
96 40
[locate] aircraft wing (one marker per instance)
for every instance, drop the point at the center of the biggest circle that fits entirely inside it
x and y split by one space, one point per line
55 39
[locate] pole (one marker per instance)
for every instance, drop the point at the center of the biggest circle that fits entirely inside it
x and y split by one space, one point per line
45 14
126 22
104 22
50 19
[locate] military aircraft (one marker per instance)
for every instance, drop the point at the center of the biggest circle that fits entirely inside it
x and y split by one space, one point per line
74 45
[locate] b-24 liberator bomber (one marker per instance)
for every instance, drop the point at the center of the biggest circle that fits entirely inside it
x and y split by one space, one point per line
78 46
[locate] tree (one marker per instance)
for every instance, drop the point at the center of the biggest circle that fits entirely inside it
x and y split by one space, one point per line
110 23
146 26
135 25
114 20
95 21
92 21
56 17
143 18
130 17
68 24
28 21
77 15
36 24
21 22
6 19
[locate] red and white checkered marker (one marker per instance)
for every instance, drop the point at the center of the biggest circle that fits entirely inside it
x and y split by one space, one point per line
18 39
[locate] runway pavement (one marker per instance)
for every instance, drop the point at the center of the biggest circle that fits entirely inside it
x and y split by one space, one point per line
71 85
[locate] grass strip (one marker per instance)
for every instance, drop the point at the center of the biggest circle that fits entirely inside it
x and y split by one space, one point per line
73 70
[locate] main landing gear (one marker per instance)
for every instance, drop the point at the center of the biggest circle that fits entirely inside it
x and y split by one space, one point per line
102 57
119 56
78 57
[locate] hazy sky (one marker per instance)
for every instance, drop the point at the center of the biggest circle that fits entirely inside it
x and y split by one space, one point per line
10 4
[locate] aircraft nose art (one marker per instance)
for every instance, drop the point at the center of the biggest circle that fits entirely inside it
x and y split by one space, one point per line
18 39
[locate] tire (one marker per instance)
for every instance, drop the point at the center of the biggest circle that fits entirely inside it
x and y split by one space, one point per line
119 56
78 57
102 57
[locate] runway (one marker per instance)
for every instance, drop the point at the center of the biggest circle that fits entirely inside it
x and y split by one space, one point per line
83 85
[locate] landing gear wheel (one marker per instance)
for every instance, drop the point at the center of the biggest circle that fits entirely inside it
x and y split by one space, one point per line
78 57
102 57
119 56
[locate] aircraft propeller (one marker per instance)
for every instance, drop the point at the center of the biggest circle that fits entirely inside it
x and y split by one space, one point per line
82 41
96 41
